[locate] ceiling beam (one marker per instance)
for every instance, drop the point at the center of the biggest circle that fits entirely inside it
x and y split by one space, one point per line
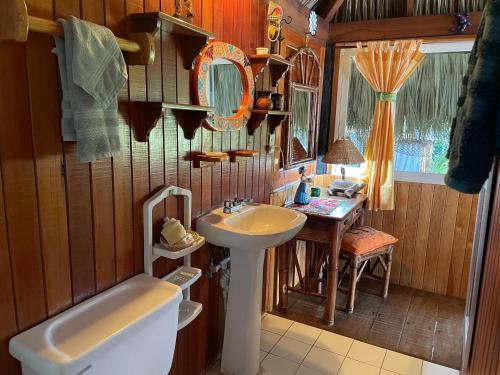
438 25
329 8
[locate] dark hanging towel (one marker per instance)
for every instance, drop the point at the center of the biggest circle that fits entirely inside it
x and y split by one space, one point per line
475 133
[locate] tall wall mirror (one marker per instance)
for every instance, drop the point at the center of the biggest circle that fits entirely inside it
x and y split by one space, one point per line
303 86
223 79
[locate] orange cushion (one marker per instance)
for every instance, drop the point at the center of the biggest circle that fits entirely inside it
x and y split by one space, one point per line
362 240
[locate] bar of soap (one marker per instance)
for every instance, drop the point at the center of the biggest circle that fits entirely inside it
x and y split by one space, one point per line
173 231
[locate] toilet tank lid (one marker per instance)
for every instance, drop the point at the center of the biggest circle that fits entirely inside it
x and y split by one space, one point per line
95 323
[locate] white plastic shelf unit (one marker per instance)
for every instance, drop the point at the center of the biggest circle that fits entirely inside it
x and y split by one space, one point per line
184 276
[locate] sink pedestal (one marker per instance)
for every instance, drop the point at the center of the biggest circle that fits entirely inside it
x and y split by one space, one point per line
241 348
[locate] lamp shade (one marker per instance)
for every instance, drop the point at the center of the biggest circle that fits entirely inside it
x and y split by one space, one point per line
343 152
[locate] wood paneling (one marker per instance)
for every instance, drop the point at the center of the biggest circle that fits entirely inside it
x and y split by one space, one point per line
435 226
399 28
68 229
485 358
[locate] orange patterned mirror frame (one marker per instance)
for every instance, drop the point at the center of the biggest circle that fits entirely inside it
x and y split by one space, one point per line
210 52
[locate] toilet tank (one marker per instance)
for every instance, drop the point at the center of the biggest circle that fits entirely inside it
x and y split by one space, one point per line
129 329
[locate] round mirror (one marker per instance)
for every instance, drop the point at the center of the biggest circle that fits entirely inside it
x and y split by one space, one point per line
223 79
224 89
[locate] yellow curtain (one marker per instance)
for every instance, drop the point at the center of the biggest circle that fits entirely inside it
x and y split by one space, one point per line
386 67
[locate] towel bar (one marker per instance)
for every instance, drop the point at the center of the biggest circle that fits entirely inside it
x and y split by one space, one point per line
15 24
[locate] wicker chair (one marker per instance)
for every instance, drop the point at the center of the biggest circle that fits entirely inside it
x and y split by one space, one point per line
359 246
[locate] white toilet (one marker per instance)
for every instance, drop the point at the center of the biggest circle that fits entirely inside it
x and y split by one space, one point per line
129 329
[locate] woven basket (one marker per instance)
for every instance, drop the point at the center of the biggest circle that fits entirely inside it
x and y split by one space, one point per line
180 246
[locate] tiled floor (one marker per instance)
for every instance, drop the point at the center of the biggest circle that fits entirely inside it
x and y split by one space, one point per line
292 348
418 323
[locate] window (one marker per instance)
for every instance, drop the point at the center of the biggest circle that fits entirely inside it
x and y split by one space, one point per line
426 106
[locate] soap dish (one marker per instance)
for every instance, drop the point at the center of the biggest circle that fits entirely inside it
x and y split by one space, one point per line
181 246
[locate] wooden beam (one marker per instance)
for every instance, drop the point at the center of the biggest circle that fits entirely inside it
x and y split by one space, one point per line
329 9
400 28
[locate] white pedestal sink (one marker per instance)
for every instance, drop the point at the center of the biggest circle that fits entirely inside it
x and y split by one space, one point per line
247 234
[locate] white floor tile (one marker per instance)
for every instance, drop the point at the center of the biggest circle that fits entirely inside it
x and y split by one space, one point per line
353 367
334 343
303 370
429 368
276 324
273 365
262 355
268 340
291 349
323 361
402 364
371 354
302 332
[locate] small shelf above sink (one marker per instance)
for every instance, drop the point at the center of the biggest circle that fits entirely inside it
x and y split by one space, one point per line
209 159
242 155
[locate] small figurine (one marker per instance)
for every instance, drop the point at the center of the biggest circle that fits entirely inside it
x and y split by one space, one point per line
462 22
189 9
301 196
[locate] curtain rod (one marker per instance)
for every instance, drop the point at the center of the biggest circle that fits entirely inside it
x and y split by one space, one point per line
426 40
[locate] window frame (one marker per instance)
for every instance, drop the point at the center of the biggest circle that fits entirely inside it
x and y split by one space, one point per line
341 77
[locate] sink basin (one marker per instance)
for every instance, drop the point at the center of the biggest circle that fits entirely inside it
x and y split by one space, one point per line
247 234
257 226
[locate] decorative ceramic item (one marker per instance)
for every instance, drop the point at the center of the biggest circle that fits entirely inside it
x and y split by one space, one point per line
262 50
313 22
315 192
263 100
189 10
462 22
274 17
232 55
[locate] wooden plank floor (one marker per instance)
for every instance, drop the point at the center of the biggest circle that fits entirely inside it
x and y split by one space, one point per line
410 321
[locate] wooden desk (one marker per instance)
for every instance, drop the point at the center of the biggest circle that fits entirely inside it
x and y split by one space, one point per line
326 230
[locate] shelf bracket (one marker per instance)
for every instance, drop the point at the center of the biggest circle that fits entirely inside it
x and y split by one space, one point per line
143 117
189 39
189 121
274 119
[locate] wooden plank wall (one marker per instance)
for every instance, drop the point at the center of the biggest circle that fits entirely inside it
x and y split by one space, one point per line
435 228
69 230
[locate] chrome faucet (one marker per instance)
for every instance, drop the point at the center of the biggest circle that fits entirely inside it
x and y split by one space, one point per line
235 205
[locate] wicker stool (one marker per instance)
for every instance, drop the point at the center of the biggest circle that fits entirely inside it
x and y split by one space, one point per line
359 246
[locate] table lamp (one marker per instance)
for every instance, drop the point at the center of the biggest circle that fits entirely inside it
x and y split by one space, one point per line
343 152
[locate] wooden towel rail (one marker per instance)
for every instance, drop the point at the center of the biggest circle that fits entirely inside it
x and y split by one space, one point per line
15 22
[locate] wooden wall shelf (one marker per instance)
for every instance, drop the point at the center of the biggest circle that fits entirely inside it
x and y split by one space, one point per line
278 66
209 159
242 155
274 119
143 117
193 37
